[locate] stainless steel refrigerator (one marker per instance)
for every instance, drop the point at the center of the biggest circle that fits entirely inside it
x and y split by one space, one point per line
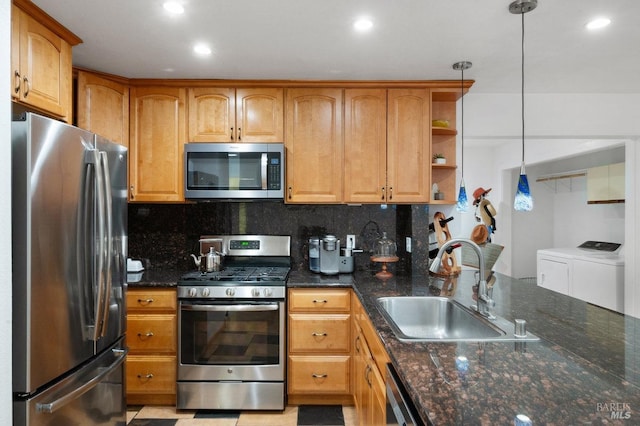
69 239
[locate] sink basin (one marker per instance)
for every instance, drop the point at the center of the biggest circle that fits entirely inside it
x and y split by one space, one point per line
440 319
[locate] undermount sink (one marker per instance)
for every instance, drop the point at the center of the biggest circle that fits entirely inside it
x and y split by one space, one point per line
440 319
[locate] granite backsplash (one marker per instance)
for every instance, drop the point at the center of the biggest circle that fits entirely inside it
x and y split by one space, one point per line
165 234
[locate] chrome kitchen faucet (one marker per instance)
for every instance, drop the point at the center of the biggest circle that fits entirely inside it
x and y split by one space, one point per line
484 302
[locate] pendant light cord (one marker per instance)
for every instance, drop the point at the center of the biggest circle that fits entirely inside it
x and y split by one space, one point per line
462 121
522 86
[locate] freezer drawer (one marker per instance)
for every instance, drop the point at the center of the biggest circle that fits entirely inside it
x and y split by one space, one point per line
93 395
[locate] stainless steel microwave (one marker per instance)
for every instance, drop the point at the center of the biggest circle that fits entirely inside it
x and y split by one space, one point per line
242 171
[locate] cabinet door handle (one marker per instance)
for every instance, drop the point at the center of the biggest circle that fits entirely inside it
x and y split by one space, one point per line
382 194
27 86
16 75
357 344
390 193
319 376
131 192
145 376
145 302
232 133
144 336
367 371
316 334
290 192
239 134
319 301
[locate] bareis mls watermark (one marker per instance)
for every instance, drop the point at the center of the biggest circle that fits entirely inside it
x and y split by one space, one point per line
615 410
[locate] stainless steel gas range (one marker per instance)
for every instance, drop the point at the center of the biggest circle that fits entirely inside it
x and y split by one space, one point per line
231 328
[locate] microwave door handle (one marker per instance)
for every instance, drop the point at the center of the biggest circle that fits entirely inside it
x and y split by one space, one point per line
263 169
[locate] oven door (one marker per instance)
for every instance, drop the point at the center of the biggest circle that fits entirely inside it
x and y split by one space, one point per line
235 341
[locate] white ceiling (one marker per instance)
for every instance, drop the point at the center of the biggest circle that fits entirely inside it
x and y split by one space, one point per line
410 40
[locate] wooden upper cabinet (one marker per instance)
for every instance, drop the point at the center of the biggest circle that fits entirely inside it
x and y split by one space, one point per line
408 146
252 115
365 145
156 141
314 145
103 107
41 74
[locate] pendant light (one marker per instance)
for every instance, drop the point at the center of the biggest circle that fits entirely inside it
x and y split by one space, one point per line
523 200
463 204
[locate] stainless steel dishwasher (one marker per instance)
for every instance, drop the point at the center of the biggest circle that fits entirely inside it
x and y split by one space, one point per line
400 409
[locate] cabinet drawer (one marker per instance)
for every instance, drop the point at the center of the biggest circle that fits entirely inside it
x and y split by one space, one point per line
319 300
147 300
151 333
151 374
319 375
319 333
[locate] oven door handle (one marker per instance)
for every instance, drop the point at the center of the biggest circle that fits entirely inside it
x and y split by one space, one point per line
225 308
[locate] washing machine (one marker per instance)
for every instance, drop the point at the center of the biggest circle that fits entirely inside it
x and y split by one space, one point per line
593 272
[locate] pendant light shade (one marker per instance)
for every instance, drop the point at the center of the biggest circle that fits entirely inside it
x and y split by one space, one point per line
523 200
462 205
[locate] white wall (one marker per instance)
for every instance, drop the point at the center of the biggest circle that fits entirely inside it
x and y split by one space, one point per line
5 219
557 126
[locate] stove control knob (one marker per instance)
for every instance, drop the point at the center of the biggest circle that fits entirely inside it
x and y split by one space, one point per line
205 292
268 292
230 292
255 292
193 292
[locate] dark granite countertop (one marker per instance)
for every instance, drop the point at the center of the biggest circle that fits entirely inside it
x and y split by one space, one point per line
587 362
154 278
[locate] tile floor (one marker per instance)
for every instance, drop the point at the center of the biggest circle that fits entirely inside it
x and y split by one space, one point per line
291 416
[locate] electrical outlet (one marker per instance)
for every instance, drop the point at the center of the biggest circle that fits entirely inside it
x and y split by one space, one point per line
407 243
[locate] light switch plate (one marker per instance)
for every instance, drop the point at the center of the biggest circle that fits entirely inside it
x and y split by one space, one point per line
351 241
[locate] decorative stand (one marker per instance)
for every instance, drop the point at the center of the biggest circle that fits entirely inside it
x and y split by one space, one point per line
449 265
384 274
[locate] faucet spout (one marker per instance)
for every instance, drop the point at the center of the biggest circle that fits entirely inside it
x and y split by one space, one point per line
484 302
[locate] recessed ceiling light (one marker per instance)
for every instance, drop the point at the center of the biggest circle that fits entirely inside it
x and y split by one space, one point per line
173 7
363 24
598 23
202 49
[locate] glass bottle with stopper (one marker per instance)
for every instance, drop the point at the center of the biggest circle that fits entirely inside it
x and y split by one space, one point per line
384 252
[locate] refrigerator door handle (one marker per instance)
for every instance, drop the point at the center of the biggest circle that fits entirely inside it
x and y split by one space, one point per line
99 275
107 217
52 407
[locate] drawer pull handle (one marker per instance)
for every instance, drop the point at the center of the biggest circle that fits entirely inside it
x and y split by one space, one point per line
319 376
319 301
145 376
143 336
145 301
315 334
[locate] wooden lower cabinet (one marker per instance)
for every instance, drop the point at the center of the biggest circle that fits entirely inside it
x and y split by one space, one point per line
319 354
152 340
368 362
